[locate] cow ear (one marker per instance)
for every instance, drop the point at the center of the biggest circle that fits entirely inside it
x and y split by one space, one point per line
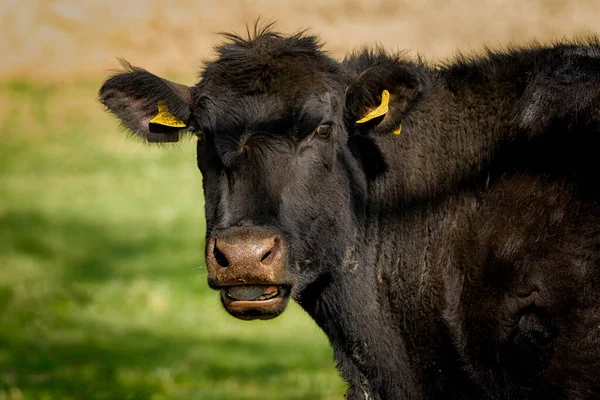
381 95
152 107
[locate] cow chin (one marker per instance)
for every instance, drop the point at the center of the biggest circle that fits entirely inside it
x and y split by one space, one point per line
250 302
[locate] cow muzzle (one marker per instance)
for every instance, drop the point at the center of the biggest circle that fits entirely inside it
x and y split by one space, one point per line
248 266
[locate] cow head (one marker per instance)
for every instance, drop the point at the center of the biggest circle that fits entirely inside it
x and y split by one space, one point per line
284 185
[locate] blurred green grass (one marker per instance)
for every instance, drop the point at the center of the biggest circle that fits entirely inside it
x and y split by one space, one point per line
102 283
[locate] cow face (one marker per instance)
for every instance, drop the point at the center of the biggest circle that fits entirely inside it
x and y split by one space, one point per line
280 183
284 186
282 190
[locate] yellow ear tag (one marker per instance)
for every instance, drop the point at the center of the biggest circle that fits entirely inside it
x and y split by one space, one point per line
379 111
397 130
164 117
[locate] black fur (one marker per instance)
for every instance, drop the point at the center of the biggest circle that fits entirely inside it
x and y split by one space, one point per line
458 260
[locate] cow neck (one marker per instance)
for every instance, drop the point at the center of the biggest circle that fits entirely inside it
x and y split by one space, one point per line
359 328
408 205
354 313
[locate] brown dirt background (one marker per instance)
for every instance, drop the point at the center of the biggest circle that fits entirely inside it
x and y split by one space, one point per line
65 40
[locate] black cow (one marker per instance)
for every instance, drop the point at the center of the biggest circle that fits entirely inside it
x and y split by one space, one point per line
439 222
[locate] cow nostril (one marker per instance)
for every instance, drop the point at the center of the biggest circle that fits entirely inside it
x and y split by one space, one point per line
272 252
220 257
267 254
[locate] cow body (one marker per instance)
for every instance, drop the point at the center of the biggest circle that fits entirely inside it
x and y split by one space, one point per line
456 260
479 270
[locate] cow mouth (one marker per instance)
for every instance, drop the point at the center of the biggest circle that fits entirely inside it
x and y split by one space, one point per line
255 301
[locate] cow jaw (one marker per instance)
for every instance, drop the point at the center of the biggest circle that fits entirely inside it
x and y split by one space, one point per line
255 301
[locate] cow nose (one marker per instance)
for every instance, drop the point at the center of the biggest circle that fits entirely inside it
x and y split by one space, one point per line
251 257
248 265
245 249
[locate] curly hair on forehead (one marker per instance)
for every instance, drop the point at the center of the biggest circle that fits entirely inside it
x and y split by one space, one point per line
263 60
265 36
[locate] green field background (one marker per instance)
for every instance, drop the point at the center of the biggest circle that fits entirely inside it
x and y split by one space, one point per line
103 290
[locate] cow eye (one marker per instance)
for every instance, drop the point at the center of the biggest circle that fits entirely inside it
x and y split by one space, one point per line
324 131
